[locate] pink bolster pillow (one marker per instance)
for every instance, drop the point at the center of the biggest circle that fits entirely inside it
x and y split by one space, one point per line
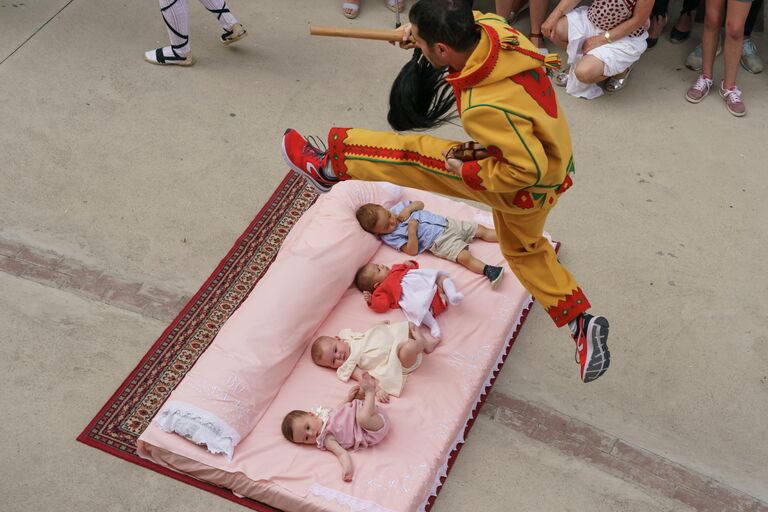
227 391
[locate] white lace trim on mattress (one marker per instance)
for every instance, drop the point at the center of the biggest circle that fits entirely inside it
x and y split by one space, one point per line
199 426
443 471
355 504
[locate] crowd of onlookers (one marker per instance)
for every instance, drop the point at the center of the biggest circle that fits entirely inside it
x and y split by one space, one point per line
604 39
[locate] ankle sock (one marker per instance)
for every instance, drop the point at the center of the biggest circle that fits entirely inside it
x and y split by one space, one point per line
454 296
573 325
327 172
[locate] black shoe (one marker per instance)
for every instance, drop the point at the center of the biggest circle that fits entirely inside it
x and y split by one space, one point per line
591 339
678 36
494 275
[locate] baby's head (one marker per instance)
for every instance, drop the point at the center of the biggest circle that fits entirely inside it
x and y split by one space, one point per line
370 275
329 352
376 219
301 427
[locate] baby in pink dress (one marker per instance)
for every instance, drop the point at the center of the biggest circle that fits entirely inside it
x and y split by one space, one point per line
352 425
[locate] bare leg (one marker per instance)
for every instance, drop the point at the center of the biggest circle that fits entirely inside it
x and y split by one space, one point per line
367 417
713 18
466 259
590 70
408 353
560 38
734 37
538 10
486 234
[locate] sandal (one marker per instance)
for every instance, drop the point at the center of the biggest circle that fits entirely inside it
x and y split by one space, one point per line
614 84
158 57
395 5
351 9
234 34
513 16
559 76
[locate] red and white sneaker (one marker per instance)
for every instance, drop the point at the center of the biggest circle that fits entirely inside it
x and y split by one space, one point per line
591 339
305 159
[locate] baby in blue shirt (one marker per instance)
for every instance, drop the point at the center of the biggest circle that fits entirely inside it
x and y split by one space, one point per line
409 228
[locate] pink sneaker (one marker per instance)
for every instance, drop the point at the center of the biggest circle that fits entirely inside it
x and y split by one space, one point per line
305 159
699 90
733 101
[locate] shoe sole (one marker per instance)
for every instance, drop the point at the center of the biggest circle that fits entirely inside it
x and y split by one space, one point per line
598 355
233 39
183 63
495 283
694 100
320 188
737 114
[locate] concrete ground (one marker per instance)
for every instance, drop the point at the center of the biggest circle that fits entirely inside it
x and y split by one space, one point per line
148 174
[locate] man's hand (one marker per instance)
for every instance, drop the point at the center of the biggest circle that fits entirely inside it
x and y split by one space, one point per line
367 296
452 165
406 40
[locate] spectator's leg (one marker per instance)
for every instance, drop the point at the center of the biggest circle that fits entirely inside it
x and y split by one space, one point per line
658 20
682 28
590 70
750 60
222 12
561 33
715 10
538 10
735 19
176 20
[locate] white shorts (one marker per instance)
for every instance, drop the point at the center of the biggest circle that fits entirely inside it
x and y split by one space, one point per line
616 56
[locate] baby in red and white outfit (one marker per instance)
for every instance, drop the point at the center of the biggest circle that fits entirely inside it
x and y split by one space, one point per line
420 293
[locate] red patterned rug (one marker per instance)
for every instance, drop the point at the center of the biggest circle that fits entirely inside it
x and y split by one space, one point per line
128 412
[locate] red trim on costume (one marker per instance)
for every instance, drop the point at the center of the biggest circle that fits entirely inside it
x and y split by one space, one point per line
481 73
395 154
523 200
470 174
569 307
567 183
496 153
537 85
336 146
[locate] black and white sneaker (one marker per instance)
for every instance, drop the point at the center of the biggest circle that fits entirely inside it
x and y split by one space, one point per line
494 275
591 336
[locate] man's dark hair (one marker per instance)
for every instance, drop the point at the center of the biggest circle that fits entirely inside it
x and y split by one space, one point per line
445 21
420 97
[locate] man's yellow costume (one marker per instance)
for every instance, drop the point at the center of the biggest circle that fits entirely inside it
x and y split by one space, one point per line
507 104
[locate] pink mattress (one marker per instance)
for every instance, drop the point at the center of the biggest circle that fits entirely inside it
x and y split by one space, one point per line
428 420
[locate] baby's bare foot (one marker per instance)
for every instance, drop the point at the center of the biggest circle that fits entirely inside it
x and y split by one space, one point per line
367 383
430 344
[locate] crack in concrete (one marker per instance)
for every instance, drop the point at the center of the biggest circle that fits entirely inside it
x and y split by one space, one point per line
35 32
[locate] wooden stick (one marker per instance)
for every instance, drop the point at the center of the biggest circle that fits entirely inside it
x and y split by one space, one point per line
357 33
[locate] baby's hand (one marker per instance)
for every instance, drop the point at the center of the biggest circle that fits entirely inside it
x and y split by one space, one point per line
346 469
367 296
354 392
382 396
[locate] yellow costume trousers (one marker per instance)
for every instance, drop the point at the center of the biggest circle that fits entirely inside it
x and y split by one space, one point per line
417 161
